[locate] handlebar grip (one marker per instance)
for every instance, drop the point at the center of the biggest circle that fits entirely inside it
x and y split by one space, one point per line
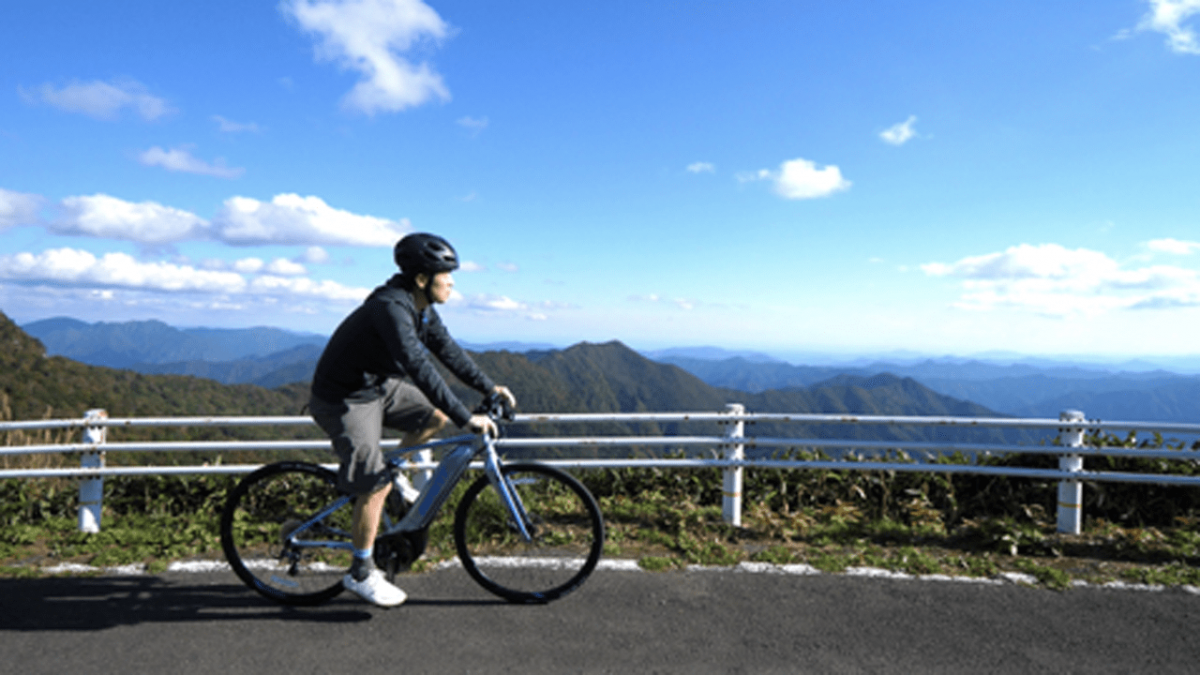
496 407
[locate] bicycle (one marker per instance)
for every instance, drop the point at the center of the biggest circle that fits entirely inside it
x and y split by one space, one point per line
525 531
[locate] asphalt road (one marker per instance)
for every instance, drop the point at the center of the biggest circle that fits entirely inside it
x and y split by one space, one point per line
619 622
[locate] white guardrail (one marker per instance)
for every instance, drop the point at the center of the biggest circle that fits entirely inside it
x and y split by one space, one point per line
1072 427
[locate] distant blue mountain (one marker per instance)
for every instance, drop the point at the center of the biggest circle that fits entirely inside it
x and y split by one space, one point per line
1019 389
128 344
707 354
510 346
270 371
268 357
271 357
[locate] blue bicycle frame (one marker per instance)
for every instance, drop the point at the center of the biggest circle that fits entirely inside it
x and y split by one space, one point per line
435 493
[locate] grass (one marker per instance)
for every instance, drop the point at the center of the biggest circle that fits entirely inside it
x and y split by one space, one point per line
668 520
836 539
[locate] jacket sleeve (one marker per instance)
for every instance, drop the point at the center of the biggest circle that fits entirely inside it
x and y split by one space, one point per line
397 325
438 339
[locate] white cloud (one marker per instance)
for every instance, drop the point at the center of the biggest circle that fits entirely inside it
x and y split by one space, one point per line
179 159
248 265
751 176
288 219
17 208
1173 246
1168 17
315 255
101 100
801 179
654 298
70 266
111 218
231 127
501 305
475 125
286 268
899 134
495 303
1052 280
292 219
305 287
67 267
701 167
368 36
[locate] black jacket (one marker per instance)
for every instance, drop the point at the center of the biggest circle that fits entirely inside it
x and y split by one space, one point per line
387 337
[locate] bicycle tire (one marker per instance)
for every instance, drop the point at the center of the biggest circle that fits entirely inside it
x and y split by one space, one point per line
262 510
568 529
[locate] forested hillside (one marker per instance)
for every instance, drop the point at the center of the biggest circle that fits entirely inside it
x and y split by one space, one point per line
607 377
36 386
611 377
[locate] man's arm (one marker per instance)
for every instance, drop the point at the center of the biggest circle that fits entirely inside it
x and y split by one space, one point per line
395 323
460 362
438 339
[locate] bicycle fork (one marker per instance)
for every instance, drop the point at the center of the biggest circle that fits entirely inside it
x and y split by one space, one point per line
508 495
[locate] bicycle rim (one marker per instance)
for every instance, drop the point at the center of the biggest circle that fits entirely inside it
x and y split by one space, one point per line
568 535
263 510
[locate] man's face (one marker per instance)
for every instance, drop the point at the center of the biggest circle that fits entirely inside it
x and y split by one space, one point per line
440 286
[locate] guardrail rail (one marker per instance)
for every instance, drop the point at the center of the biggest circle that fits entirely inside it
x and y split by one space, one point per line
1072 428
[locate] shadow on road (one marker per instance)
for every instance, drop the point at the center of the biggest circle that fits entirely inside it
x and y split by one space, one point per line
74 603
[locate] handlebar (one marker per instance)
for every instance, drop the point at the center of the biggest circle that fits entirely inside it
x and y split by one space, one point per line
495 406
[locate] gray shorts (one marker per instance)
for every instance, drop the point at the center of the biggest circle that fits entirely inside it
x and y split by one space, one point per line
356 429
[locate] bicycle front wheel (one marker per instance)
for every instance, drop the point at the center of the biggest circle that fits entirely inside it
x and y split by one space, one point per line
268 506
562 517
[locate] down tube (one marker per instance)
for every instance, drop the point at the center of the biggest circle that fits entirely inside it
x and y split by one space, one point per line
438 489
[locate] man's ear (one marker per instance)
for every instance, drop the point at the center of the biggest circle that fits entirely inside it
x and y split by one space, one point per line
421 280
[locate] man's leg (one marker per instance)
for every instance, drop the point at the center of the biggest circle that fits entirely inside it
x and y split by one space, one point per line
437 422
368 509
363 578
399 409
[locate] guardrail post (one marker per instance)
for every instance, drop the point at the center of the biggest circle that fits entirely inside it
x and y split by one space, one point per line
734 479
1070 492
91 490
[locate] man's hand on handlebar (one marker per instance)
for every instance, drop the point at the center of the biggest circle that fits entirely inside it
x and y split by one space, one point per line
482 424
498 404
507 395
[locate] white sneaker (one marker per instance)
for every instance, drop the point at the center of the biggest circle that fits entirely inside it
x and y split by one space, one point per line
375 589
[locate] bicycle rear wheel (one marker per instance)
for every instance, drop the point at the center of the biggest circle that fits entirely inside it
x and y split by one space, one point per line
563 517
264 509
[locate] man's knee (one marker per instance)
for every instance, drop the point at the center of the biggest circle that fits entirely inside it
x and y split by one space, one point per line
437 422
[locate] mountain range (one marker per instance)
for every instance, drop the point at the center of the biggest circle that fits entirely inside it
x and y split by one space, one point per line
1019 390
270 358
608 377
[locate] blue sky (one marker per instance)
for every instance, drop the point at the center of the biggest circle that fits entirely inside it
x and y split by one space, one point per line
839 177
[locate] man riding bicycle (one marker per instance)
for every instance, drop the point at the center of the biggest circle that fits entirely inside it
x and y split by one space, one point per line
375 373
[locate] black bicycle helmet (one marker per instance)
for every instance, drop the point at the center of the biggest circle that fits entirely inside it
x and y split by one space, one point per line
422 253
